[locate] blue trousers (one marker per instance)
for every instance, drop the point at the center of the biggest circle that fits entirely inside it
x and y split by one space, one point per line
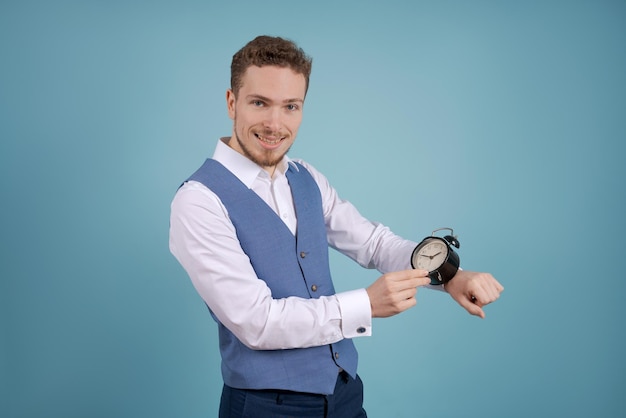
345 402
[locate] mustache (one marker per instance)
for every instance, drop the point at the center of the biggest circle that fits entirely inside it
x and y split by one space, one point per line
271 133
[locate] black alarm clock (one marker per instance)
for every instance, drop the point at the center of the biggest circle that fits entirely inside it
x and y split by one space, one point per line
436 255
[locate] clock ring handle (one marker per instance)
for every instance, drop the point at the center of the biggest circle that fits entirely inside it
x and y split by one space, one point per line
452 239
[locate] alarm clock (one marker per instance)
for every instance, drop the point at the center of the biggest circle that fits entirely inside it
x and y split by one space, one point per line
436 255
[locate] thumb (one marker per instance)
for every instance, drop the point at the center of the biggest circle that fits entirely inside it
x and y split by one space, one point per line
471 307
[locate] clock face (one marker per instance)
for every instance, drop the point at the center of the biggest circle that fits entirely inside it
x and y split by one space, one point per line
430 255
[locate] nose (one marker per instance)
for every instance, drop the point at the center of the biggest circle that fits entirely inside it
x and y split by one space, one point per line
273 119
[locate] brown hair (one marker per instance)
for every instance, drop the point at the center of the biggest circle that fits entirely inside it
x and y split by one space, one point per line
268 50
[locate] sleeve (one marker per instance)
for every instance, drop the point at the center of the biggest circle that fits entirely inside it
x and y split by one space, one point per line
204 241
371 244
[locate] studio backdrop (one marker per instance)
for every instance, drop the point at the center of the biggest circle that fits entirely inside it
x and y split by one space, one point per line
503 120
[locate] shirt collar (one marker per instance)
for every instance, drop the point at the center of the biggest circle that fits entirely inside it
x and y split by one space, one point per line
243 168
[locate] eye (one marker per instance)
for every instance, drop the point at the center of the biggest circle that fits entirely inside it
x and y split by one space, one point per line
258 103
292 107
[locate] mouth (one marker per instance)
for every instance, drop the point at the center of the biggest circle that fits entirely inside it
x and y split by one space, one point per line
269 140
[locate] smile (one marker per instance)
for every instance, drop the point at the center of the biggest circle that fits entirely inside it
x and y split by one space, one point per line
269 141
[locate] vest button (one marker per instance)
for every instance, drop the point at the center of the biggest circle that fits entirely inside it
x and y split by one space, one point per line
336 356
302 254
314 288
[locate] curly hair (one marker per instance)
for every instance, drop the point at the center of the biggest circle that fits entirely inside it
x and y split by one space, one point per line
268 50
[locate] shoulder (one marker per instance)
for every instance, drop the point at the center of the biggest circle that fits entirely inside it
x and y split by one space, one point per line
326 189
319 178
194 196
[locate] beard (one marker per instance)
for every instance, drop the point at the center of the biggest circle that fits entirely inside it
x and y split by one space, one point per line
264 158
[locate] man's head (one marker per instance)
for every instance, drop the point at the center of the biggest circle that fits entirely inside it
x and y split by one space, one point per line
267 50
269 83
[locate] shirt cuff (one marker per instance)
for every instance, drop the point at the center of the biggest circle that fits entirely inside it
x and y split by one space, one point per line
356 313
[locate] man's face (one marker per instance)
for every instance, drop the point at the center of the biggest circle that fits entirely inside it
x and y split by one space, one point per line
266 113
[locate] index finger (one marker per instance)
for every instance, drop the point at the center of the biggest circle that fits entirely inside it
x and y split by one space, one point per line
418 272
421 277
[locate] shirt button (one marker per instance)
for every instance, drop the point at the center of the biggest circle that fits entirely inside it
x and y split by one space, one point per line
314 288
336 356
361 330
302 254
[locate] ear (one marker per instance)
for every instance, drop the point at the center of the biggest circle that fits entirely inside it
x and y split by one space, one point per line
230 103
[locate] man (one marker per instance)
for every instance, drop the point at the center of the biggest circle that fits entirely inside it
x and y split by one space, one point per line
252 227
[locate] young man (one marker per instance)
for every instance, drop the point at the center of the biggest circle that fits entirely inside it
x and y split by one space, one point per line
252 227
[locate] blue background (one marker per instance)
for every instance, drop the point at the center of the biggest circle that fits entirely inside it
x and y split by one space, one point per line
505 120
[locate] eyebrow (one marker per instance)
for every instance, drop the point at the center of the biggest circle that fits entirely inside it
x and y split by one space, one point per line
267 99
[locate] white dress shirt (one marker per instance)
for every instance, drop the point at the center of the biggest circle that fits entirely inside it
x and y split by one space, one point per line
204 241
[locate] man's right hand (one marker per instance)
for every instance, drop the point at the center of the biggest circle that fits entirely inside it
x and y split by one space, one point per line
395 292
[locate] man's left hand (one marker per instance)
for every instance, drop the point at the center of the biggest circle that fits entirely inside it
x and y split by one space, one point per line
474 290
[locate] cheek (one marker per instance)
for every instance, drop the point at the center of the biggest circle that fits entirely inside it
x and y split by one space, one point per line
244 117
294 125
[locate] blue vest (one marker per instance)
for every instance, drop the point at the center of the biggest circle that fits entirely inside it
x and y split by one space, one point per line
291 266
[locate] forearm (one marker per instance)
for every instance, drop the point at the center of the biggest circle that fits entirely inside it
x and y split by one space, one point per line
246 307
